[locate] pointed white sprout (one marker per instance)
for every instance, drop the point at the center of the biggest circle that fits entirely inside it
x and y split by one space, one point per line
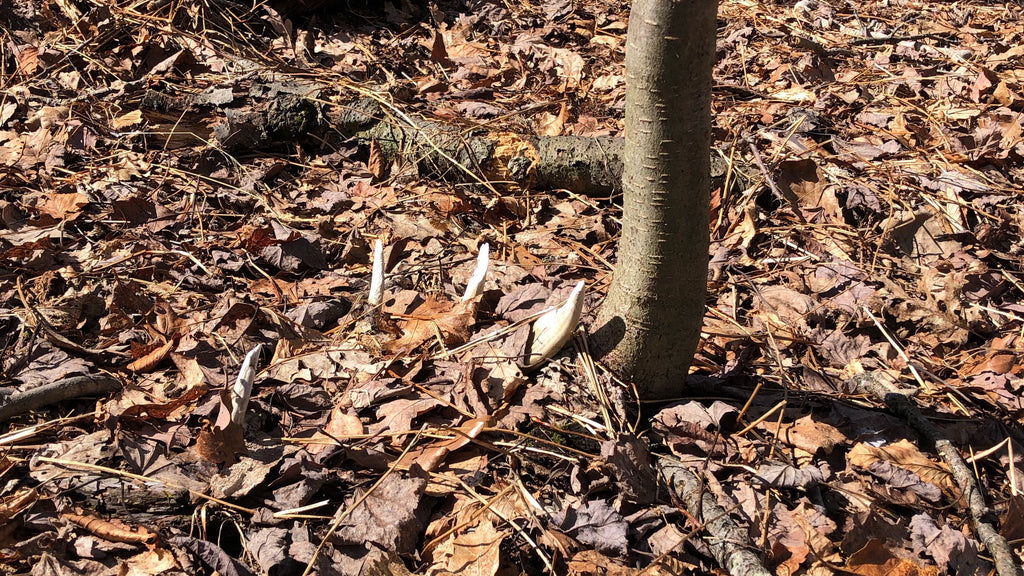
243 386
552 330
377 277
476 281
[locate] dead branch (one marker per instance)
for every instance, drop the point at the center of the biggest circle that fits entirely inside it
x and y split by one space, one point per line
59 391
728 543
110 531
982 516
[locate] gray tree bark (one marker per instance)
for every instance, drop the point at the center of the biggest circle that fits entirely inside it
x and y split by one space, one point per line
649 325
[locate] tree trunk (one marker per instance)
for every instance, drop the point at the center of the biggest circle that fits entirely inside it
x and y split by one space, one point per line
649 325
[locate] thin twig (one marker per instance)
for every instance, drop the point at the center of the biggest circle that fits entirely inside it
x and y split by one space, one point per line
898 348
339 518
54 392
728 543
982 517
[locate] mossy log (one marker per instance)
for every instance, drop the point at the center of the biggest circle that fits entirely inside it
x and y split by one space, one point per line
446 149
454 152
590 166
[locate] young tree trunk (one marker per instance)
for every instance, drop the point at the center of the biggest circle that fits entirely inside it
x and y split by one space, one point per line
649 325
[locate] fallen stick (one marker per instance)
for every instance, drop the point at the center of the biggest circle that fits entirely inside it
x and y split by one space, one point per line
981 515
59 391
727 541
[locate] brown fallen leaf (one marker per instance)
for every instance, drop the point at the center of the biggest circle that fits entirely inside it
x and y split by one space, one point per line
808 434
375 163
435 320
224 441
16 503
153 357
593 562
64 207
125 120
875 559
905 455
431 456
163 410
438 53
473 550
221 445
155 561
548 124
341 425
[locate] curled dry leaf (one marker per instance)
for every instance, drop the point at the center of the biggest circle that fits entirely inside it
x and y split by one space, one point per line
221 445
14 504
110 531
375 164
154 357
166 320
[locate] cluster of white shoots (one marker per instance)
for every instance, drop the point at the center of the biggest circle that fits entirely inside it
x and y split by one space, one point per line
550 331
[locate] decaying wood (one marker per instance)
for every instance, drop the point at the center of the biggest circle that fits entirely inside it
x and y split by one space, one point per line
459 153
727 541
585 165
59 391
982 516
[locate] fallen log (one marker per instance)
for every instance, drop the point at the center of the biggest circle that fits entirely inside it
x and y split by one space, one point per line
589 166
279 114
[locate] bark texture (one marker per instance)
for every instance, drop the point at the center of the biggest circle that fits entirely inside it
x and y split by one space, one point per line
649 325
588 166
728 542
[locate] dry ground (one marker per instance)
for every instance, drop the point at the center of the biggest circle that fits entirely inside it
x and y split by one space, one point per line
178 187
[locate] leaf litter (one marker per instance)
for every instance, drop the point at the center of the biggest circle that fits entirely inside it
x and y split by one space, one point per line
184 183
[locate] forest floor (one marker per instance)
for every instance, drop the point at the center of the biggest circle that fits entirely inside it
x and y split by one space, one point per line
177 189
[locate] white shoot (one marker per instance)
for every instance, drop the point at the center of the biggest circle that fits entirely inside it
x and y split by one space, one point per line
476 282
242 389
377 277
552 330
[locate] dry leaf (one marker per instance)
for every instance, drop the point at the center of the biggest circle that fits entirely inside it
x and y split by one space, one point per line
64 207
153 357
375 163
548 124
125 120
905 455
